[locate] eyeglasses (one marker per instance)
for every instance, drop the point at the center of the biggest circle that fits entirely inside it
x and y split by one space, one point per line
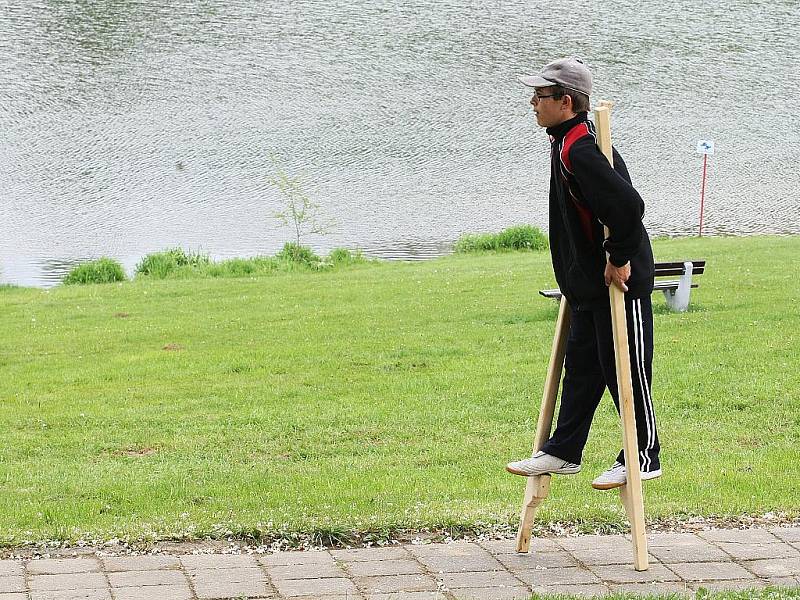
536 97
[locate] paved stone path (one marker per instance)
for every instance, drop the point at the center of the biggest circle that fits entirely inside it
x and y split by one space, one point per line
491 570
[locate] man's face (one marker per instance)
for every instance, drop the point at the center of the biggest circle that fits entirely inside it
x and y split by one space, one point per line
549 110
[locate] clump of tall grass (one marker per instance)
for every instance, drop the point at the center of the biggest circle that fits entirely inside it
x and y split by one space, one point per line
102 270
294 256
161 265
519 237
242 267
293 252
343 256
177 264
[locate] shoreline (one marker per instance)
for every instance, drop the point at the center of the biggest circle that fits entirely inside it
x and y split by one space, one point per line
444 249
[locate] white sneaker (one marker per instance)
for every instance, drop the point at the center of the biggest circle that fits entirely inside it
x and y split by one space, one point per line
617 476
541 464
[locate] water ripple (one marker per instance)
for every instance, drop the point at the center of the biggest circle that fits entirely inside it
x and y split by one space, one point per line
131 125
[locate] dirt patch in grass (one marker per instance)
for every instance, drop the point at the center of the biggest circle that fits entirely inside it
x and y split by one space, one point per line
136 452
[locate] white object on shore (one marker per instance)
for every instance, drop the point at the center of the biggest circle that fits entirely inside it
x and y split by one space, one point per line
705 146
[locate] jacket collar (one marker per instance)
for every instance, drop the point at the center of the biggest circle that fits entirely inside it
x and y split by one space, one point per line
557 132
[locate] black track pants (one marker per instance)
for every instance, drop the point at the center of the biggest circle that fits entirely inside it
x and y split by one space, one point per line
589 368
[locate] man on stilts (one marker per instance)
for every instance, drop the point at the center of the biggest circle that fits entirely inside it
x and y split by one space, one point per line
586 193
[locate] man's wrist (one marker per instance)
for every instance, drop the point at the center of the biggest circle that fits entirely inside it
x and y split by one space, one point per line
617 262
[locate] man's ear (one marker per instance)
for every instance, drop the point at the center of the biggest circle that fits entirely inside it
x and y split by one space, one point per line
566 102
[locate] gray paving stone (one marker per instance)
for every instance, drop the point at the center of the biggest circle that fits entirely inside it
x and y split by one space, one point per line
384 567
218 561
774 567
627 574
68 581
526 562
587 591
558 576
454 549
493 593
787 534
355 596
456 564
140 563
102 594
154 592
426 595
12 583
11 567
306 571
233 574
407 596
605 556
121 579
330 597
730 584
226 588
396 583
710 571
14 596
742 551
510 546
590 542
652 589
479 579
672 539
310 557
370 554
784 581
56 566
315 587
747 536
697 550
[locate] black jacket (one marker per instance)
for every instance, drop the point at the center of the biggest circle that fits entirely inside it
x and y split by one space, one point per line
585 194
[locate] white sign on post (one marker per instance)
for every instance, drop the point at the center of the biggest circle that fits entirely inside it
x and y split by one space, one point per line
705 147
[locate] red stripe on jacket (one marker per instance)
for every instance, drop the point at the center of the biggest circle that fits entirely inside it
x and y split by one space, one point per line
573 135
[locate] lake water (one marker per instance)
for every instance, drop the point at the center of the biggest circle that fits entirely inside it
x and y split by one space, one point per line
130 126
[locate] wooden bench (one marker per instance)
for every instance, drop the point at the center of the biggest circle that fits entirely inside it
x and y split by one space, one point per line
676 291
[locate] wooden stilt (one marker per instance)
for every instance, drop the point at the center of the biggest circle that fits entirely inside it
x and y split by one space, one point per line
636 519
536 490
631 492
538 487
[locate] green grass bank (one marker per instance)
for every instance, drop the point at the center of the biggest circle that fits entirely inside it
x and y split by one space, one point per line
382 397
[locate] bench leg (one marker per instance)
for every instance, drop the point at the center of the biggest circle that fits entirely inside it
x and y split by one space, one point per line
678 300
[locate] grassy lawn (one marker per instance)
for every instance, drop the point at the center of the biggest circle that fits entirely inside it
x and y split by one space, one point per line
376 398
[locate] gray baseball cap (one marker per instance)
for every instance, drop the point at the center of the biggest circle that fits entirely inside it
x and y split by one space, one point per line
569 72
